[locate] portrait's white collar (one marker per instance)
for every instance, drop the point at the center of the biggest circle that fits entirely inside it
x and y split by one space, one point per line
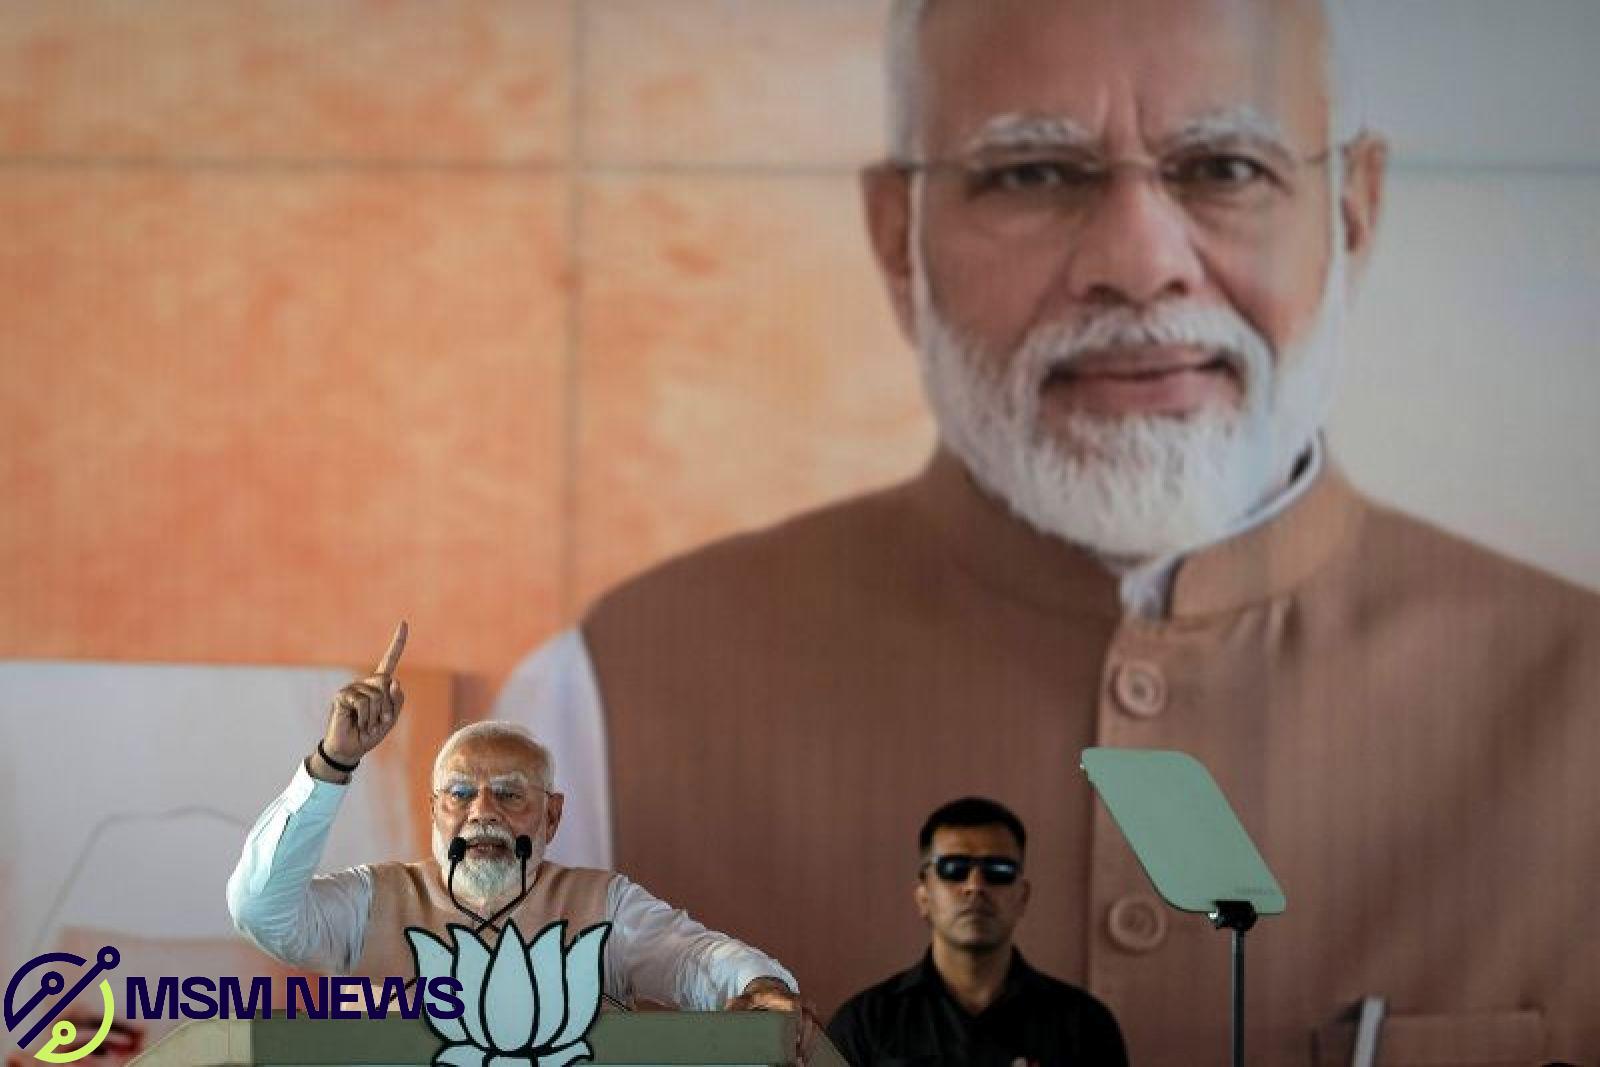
1146 587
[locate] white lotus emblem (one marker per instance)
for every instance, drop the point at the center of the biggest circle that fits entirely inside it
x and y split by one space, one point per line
527 1004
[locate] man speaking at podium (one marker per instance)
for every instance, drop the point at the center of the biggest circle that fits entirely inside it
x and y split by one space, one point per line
494 801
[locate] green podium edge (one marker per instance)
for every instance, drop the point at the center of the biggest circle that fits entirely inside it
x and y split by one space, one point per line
687 1037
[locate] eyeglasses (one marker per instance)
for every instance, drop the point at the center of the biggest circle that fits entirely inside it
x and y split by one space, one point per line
996 870
1230 189
512 798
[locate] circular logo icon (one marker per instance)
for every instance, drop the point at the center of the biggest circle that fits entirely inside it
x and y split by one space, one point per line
51 983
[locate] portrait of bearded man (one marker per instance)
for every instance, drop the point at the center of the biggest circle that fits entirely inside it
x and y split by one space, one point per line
1122 236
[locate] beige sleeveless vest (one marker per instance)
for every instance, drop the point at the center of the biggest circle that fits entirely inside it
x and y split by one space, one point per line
413 894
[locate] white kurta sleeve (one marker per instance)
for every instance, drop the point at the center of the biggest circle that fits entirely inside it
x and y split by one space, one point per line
659 953
554 694
310 921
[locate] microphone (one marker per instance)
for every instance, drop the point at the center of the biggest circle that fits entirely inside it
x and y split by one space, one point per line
457 853
524 851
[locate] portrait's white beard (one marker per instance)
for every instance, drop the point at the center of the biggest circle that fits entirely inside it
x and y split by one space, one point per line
1132 487
485 878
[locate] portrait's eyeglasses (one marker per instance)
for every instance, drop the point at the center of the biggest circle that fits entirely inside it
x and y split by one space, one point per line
1228 188
996 870
513 799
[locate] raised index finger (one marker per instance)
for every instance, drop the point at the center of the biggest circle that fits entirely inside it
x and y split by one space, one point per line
397 645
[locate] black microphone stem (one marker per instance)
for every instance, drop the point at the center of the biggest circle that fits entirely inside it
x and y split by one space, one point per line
524 850
458 851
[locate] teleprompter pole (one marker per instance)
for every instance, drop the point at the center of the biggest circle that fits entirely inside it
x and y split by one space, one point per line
1238 916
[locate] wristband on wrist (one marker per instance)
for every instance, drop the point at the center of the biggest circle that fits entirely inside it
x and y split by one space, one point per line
342 768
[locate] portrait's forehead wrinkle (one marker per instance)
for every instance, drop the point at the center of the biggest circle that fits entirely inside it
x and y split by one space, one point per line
1328 27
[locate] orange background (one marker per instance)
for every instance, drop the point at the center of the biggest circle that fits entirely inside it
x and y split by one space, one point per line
318 315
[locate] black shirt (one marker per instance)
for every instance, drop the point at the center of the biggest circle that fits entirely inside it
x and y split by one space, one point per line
913 1019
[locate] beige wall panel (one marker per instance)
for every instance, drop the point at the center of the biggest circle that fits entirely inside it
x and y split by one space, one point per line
762 82
257 418
367 79
738 362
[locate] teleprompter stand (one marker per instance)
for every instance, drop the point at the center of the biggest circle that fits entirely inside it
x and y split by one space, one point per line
1238 916
1190 844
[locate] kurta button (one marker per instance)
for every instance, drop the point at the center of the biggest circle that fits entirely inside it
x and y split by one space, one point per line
1140 689
1137 923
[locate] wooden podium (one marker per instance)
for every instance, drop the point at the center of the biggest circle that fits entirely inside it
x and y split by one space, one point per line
656 1037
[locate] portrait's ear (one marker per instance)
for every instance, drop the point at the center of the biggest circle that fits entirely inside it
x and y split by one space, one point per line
552 814
886 197
921 895
1366 161
1027 894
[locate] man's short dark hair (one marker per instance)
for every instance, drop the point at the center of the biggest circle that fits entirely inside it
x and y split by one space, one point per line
969 812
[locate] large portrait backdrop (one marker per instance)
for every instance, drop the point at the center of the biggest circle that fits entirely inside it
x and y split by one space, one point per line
316 316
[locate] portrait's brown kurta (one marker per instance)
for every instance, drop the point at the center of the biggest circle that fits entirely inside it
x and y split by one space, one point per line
413 894
1405 723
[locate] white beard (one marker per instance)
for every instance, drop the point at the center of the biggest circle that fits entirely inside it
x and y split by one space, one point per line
480 878
1143 486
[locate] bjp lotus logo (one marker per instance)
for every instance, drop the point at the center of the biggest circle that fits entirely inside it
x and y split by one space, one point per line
527 1003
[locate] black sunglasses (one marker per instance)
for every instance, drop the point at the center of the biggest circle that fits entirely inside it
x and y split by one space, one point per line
997 870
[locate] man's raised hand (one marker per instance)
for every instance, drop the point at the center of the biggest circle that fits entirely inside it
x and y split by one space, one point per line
364 712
